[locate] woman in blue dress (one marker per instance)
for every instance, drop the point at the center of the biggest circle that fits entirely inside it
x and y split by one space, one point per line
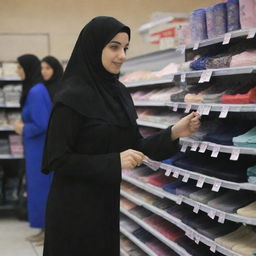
36 107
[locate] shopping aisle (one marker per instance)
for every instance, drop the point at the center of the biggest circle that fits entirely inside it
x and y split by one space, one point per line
12 238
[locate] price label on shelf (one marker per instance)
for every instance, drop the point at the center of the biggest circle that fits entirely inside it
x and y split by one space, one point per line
196 208
188 108
251 33
224 112
175 107
215 151
179 200
176 174
168 172
184 147
203 147
200 109
197 239
186 177
216 186
222 217
181 49
171 78
205 76
200 182
212 213
183 77
227 38
195 145
190 234
196 45
206 110
235 154
213 247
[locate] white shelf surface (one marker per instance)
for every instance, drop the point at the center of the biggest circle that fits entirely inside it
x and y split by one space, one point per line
6 128
9 105
123 252
192 74
220 39
135 240
205 208
222 148
10 79
191 233
8 156
152 124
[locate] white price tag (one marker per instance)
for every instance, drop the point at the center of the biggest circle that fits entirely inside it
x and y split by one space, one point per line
216 186
196 208
224 112
222 217
200 109
195 145
215 151
203 147
200 182
205 76
190 234
171 78
175 107
212 214
196 45
184 147
227 38
188 108
251 33
235 154
206 110
181 49
183 77
197 239
176 174
185 177
179 200
168 172
213 247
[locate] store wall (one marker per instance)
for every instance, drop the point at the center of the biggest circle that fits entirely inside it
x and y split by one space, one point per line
62 21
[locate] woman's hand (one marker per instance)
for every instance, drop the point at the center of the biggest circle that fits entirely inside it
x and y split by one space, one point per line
18 126
131 158
186 126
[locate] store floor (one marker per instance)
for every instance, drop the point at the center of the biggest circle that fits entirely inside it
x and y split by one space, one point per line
12 238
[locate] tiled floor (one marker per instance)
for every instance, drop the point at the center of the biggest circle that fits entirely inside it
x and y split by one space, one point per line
12 238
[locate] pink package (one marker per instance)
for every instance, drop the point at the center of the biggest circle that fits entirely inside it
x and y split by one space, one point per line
246 58
247 13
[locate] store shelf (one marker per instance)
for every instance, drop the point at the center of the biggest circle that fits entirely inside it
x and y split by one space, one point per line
141 245
175 247
123 252
208 179
152 124
7 156
212 146
193 74
6 128
10 79
205 208
234 34
9 105
190 232
146 103
8 207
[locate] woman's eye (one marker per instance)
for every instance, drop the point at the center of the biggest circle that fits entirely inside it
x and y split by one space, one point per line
114 47
126 49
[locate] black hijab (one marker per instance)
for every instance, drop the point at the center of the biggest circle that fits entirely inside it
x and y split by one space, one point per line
53 84
31 65
88 87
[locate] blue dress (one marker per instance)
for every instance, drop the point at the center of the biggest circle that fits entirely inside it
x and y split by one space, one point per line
35 115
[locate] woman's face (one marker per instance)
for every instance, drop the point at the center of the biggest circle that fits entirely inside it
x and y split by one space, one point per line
21 72
46 71
114 53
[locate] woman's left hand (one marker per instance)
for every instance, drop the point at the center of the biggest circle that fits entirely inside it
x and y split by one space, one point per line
18 126
186 126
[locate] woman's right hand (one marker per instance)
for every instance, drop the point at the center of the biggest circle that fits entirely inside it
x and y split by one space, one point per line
131 158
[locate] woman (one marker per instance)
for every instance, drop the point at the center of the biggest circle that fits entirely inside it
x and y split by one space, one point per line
92 135
36 107
52 72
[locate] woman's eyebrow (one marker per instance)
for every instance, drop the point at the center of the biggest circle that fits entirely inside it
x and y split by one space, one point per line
116 42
